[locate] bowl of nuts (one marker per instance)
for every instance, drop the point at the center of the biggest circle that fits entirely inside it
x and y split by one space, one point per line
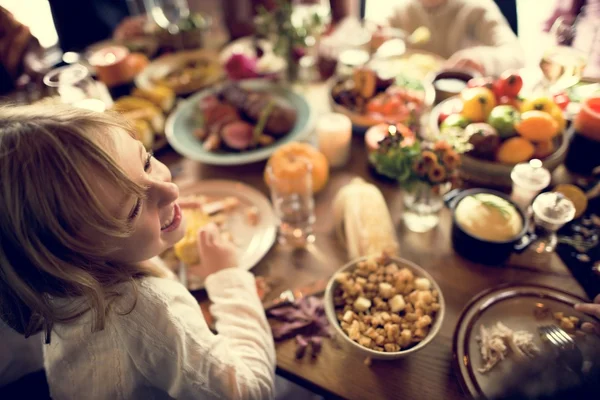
385 307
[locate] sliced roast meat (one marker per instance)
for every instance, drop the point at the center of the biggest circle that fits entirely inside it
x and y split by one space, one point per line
238 135
281 118
219 112
208 102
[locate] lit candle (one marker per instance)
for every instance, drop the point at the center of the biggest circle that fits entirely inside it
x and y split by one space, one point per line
111 64
334 134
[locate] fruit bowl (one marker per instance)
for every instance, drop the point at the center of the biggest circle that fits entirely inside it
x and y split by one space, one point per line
492 173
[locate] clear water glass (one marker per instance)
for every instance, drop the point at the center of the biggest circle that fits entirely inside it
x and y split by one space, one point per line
422 206
294 204
75 86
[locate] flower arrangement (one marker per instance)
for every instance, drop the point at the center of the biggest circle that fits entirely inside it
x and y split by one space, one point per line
433 164
288 40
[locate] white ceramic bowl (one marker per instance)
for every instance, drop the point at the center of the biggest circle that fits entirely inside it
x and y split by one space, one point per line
376 355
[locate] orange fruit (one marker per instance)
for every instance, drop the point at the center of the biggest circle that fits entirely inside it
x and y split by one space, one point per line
515 150
537 126
543 149
574 194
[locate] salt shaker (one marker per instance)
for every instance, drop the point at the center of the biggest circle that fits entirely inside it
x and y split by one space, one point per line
551 211
529 179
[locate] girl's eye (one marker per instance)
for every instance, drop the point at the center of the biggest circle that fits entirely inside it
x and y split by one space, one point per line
136 210
148 162
138 205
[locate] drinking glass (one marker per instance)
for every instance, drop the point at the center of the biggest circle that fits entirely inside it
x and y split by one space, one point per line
292 197
75 86
561 64
168 14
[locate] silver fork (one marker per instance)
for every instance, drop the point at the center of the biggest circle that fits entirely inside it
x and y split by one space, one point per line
566 346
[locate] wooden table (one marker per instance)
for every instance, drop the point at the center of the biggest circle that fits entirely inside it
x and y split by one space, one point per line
427 374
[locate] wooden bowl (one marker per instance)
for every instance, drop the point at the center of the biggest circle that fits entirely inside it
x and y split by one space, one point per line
493 174
362 122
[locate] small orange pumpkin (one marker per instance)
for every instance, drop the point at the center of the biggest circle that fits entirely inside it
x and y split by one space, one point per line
288 163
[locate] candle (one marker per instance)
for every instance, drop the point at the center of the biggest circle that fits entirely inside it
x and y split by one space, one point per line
334 134
377 133
111 64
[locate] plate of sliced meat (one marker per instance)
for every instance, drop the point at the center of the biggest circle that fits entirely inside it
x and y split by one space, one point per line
238 123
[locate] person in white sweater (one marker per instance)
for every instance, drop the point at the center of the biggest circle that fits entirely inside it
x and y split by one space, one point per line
470 34
84 210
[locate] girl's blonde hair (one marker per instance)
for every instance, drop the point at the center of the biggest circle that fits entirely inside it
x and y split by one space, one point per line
47 212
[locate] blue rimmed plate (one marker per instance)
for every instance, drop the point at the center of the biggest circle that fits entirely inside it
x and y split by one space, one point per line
183 121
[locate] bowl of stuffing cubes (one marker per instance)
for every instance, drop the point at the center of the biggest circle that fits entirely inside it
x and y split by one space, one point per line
385 307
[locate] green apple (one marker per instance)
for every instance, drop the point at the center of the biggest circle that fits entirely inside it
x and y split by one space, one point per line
503 119
454 121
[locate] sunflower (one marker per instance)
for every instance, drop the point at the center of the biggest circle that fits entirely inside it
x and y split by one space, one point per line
451 159
429 158
437 173
420 168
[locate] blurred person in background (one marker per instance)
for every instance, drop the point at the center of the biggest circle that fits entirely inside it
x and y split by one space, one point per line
20 52
577 23
239 14
471 34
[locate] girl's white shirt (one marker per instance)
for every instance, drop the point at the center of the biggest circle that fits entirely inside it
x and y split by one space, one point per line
163 348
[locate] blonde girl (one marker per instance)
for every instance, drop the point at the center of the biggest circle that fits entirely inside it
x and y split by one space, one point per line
84 209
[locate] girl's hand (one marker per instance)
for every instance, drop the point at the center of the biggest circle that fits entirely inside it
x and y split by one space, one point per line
215 252
593 310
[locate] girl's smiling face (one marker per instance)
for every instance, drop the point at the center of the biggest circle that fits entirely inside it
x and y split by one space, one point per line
156 220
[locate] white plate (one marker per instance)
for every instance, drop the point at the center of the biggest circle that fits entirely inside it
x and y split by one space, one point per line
162 66
253 242
513 306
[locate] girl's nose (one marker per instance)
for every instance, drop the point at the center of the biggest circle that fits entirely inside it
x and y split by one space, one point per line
164 190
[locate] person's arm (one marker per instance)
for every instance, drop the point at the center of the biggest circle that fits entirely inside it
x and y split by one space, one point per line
592 309
500 49
15 41
173 348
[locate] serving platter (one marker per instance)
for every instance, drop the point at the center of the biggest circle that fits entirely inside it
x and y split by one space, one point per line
184 120
514 306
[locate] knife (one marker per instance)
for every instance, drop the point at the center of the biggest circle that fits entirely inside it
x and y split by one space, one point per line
286 297
291 295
